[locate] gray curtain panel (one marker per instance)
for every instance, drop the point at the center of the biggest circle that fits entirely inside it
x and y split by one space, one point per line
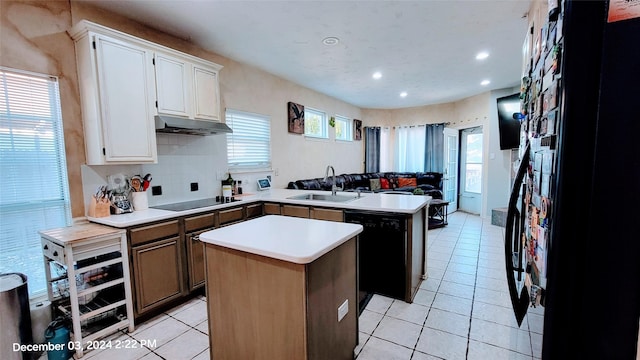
434 148
371 149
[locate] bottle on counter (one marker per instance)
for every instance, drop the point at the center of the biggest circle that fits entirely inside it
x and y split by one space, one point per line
239 191
227 187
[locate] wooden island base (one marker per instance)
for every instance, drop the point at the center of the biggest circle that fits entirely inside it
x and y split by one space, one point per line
264 308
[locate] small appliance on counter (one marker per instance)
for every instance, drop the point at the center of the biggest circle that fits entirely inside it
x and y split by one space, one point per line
118 194
264 184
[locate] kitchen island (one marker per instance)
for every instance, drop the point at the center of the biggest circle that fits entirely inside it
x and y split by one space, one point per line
282 288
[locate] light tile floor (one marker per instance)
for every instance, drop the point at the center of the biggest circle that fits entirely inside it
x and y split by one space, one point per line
462 311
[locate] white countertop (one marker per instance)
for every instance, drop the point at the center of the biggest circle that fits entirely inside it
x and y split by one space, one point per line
291 239
405 204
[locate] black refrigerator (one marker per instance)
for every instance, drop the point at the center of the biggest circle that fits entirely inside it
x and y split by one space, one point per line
573 224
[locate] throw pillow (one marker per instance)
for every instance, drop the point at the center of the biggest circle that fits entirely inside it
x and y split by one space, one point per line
407 182
374 184
393 182
384 183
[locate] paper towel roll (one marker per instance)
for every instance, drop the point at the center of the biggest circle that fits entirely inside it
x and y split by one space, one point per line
40 319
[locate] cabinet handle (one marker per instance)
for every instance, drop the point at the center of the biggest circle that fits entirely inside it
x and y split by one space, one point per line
46 247
55 253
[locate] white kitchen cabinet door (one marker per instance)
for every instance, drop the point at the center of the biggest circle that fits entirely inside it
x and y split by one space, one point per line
206 94
126 93
172 85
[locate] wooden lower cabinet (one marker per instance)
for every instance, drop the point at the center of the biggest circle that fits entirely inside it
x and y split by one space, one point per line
158 275
296 211
230 216
263 308
326 214
193 227
253 211
271 209
195 257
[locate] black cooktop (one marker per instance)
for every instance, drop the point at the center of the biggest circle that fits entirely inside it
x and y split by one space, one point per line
188 205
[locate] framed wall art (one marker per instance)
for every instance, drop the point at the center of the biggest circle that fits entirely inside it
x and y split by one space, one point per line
357 129
296 118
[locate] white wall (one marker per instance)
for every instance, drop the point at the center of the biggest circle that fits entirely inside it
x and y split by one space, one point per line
499 161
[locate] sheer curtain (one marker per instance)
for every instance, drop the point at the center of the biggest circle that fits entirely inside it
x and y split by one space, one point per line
386 149
371 149
410 146
434 149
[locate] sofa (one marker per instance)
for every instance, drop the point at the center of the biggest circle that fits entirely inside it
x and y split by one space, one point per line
429 182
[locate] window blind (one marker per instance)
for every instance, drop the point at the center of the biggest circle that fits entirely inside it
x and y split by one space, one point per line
34 187
249 146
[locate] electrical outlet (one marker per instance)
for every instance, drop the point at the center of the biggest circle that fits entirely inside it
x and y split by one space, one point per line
156 190
194 186
343 310
276 172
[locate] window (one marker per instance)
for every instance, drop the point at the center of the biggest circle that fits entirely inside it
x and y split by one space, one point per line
473 164
343 128
35 190
249 146
315 123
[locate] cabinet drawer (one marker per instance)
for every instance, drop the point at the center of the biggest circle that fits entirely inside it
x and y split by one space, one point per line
254 210
231 215
296 211
271 209
53 251
199 222
154 232
327 214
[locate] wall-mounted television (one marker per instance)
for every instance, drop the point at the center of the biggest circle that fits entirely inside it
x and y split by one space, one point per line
508 127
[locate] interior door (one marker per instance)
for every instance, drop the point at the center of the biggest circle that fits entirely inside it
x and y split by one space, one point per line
471 170
450 178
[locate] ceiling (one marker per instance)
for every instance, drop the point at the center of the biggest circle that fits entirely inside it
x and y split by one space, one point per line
424 48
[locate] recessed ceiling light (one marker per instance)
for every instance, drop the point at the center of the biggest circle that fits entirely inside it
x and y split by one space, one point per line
377 75
330 41
403 94
485 82
482 55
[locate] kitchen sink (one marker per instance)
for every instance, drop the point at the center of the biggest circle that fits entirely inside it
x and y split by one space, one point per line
322 197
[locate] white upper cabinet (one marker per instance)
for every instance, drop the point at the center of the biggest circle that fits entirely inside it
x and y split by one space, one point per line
172 86
187 88
117 93
125 81
207 94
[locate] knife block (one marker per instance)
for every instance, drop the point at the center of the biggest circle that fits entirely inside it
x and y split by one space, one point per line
99 208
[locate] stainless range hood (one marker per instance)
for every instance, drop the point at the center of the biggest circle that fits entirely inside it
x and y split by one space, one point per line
177 125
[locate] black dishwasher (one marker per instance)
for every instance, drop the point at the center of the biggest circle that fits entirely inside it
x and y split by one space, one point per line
382 254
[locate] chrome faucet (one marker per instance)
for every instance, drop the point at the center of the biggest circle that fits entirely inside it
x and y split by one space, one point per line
334 188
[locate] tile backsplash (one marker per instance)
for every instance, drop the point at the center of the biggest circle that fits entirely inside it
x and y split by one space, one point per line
182 160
